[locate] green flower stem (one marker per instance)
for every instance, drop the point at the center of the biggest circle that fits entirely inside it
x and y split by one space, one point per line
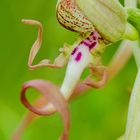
133 121
136 52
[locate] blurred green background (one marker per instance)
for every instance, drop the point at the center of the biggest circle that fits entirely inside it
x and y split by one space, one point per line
97 115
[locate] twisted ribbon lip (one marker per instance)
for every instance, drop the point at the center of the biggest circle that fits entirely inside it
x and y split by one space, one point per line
53 95
25 101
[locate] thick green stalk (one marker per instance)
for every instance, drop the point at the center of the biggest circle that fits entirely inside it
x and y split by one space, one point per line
133 121
136 52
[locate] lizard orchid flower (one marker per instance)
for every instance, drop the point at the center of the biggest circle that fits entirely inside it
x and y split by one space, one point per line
93 20
78 56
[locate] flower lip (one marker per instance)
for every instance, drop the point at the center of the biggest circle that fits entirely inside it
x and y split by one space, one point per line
53 95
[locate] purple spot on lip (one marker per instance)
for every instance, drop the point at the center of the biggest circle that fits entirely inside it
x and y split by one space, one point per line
78 57
94 37
92 45
74 51
85 43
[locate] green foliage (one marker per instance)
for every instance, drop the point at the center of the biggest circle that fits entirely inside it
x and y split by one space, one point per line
99 115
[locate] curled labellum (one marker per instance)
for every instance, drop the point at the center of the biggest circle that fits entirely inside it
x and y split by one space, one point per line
53 96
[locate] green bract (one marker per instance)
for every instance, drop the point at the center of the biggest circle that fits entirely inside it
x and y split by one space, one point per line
134 17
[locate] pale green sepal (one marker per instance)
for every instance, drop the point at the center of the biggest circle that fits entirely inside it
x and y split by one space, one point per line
108 17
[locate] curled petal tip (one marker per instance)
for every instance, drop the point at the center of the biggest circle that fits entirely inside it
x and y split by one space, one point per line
36 47
31 22
99 72
54 97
